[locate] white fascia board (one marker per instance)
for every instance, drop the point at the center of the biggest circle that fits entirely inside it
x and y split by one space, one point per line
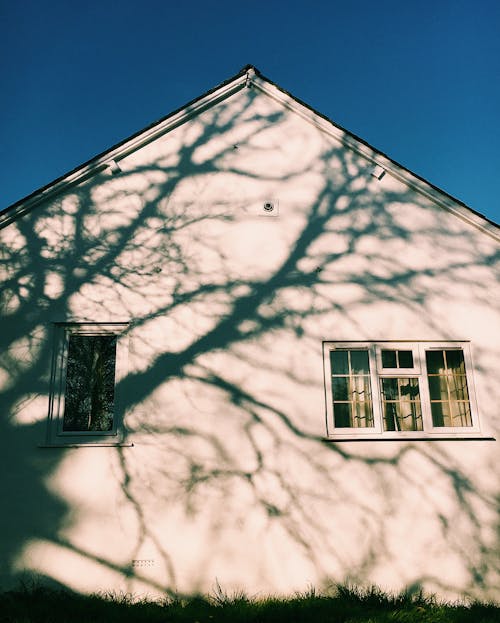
376 158
114 155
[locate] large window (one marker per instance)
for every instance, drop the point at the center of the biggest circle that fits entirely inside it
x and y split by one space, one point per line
399 389
89 360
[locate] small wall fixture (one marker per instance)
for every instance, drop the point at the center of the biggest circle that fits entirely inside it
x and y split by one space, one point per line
114 168
377 172
269 208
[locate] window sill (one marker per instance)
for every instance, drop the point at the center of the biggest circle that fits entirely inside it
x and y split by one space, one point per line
86 445
458 437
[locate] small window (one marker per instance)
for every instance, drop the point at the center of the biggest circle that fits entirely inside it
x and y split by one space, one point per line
89 360
397 358
89 396
399 389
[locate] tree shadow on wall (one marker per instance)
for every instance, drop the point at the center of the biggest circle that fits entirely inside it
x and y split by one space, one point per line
239 459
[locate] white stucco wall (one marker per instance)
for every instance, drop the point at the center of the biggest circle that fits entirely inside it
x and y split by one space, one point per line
228 478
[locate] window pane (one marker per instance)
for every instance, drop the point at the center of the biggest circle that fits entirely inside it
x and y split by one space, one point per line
405 358
90 383
408 388
403 416
440 414
438 388
359 362
339 361
435 361
340 388
360 388
389 359
458 387
455 361
342 415
390 389
410 416
461 414
390 416
363 415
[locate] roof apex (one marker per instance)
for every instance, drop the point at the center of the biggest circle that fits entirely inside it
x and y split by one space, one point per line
248 75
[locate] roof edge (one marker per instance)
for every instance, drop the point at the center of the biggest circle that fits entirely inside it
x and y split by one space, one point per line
101 161
248 75
377 157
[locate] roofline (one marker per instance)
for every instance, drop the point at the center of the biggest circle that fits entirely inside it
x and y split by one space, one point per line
249 75
377 157
104 159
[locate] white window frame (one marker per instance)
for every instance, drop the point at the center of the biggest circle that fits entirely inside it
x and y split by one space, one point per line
63 331
419 370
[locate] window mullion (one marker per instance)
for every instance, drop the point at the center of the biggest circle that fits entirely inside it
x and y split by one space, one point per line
376 391
424 390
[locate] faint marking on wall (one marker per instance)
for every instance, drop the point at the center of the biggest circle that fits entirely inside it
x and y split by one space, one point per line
143 562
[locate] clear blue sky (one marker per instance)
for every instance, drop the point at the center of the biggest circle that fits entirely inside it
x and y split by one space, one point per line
419 80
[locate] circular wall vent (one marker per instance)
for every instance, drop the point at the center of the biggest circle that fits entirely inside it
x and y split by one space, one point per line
268 206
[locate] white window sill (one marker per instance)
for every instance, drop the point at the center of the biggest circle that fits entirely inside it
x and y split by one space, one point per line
416 437
93 444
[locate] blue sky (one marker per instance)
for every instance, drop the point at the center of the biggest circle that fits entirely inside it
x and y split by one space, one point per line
420 81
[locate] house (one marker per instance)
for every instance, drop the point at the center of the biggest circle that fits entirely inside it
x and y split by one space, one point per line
243 346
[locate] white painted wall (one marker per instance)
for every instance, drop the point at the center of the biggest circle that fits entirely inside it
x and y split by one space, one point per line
228 478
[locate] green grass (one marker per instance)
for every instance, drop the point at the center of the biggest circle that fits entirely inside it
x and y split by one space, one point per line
342 604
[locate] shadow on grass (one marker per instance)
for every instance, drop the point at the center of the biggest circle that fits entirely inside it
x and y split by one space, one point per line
339 603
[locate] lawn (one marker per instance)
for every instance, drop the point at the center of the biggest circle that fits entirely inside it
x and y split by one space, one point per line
341 604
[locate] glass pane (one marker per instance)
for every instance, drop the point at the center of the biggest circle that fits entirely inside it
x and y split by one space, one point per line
410 416
418 422
359 362
342 415
369 414
360 388
339 387
461 414
405 358
455 361
90 383
339 361
440 414
458 387
390 416
390 389
435 361
363 415
389 359
409 388
438 388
